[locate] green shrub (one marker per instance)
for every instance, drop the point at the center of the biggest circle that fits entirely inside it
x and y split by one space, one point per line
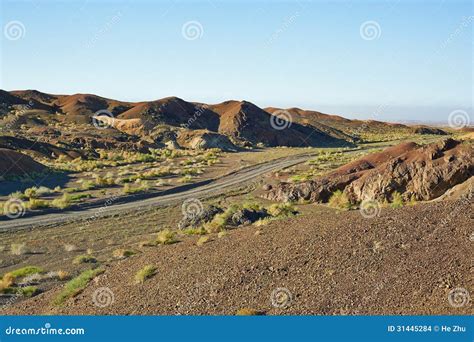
145 273
62 202
25 271
82 259
17 195
339 200
34 203
397 200
28 291
282 210
76 285
122 253
202 240
194 231
88 185
166 237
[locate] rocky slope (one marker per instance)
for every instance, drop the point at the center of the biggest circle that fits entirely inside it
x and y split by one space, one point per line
417 172
240 121
405 261
14 163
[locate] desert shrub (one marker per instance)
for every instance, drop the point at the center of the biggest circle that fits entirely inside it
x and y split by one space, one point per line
252 205
282 210
18 249
62 275
76 285
219 221
224 218
88 185
299 178
82 259
397 200
7 281
212 227
34 203
145 273
194 231
62 202
30 192
122 253
339 200
202 240
25 271
221 234
35 192
71 190
264 221
77 197
413 200
17 195
166 237
28 291
141 187
191 172
186 179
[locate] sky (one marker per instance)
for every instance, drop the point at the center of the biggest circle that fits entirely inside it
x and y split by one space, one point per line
391 60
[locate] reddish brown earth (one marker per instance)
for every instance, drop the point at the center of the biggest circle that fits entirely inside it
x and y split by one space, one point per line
418 172
241 121
404 261
14 163
339 126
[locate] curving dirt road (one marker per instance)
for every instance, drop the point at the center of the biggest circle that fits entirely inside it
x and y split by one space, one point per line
109 207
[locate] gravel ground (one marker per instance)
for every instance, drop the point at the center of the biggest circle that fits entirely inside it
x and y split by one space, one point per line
324 262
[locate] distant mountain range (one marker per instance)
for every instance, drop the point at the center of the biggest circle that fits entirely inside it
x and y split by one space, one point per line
230 124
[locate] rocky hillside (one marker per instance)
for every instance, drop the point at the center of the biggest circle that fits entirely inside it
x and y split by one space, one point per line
340 127
160 121
416 172
14 163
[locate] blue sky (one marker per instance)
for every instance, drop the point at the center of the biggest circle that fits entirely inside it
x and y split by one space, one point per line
308 54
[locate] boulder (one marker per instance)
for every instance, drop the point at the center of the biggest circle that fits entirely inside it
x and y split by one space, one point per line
247 216
195 221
